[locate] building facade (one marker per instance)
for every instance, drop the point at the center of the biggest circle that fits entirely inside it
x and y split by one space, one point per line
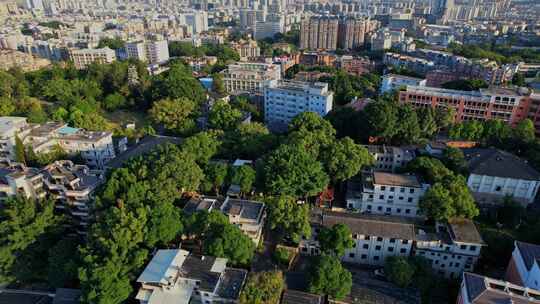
385 194
388 159
508 105
84 57
246 49
17 179
286 99
392 82
319 33
478 289
152 52
454 248
523 268
250 77
351 33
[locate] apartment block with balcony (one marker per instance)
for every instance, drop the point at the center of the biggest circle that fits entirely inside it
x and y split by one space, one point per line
285 100
17 179
95 147
249 216
385 194
508 105
319 33
375 237
250 77
453 247
177 276
72 186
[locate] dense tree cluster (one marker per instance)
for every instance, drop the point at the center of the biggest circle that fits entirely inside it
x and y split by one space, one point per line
224 53
448 196
499 53
389 122
336 240
263 288
328 277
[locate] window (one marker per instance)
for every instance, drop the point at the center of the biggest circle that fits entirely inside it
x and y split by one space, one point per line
392 240
407 211
381 196
376 258
401 198
379 208
366 237
405 241
463 247
403 250
379 239
409 200
351 255
388 209
390 249
378 247
383 188
398 210
363 256
472 248
457 264
366 246
392 189
402 190
369 207
411 190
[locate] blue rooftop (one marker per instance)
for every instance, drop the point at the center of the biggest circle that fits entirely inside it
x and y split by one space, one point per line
68 130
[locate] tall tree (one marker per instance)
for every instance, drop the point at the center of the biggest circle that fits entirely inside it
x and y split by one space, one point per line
328 277
336 240
228 241
224 117
244 176
217 84
399 271
19 150
176 115
203 145
289 218
263 288
344 159
215 176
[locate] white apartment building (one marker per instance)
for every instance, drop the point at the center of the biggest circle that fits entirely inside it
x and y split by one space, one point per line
197 21
392 82
249 216
454 247
153 52
388 158
495 174
268 29
84 57
176 276
385 194
284 100
250 77
246 49
375 237
96 148
478 289
17 179
524 268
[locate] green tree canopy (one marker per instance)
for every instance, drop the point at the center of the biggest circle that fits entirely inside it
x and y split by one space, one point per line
215 176
176 115
228 241
344 159
263 288
336 240
287 217
399 271
244 176
328 277
223 116
203 145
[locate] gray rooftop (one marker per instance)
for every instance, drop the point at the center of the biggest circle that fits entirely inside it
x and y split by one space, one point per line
250 210
464 231
484 290
494 162
529 252
231 283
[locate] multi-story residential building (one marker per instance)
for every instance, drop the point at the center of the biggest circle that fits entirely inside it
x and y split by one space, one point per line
268 28
478 289
84 57
454 247
351 33
197 21
381 40
249 216
72 186
319 33
355 65
524 268
177 276
495 174
508 105
96 148
389 158
392 82
375 237
385 193
246 49
418 65
17 179
286 99
250 77
153 52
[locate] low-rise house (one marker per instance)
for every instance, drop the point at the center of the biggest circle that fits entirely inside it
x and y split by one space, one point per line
176 276
389 158
478 289
385 193
523 268
452 249
249 216
375 237
495 174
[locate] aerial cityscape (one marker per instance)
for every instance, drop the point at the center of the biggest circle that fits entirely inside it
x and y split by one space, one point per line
269 151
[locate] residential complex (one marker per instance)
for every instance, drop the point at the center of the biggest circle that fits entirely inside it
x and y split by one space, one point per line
250 77
96 148
249 216
319 33
496 174
508 105
351 33
375 238
177 276
84 57
17 179
284 100
453 248
385 193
